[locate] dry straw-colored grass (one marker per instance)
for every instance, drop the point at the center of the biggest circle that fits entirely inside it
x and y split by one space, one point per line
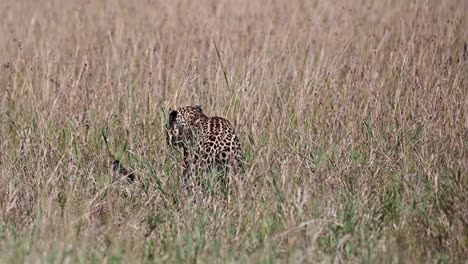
353 116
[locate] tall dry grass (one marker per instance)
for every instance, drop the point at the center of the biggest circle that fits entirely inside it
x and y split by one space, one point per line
352 115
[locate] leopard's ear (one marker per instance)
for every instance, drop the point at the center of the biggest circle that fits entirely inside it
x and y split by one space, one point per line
198 108
172 116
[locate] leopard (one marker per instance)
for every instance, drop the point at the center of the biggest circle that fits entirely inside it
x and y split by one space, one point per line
207 142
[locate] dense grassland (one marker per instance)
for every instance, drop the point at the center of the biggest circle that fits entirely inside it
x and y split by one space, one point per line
353 116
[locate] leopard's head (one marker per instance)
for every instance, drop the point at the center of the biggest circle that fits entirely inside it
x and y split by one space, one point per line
182 123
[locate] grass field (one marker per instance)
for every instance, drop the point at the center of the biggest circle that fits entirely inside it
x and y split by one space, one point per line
353 116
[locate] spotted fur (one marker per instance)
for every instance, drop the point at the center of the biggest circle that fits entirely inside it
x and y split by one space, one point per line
207 142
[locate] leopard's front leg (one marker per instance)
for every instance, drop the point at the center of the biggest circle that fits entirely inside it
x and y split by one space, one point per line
191 168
